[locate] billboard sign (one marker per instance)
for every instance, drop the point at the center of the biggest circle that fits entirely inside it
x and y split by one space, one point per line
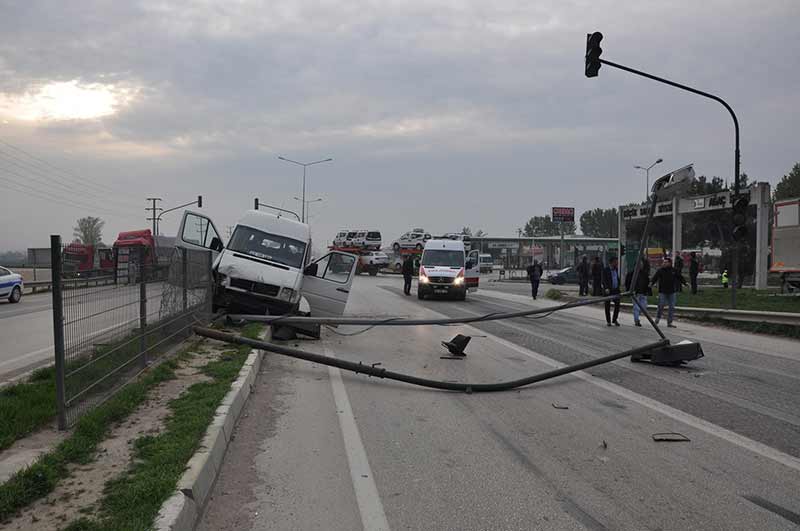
563 215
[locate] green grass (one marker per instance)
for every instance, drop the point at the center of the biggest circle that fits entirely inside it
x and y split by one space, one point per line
27 406
772 329
553 294
746 299
132 500
38 480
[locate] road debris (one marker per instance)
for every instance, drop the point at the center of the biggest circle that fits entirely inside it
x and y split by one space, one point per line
670 437
558 406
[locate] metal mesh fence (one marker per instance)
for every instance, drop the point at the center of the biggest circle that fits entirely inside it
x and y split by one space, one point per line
106 335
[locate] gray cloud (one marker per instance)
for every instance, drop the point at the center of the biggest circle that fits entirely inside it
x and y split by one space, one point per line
460 114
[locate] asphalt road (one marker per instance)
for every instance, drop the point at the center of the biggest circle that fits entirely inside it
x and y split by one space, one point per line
26 328
321 449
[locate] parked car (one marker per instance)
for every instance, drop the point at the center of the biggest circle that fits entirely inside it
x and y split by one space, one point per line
461 237
348 238
11 285
373 240
340 238
568 275
411 240
372 262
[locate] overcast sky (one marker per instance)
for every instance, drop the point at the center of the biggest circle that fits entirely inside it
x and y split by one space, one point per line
437 114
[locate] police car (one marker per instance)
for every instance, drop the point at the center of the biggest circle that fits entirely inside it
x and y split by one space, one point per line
10 285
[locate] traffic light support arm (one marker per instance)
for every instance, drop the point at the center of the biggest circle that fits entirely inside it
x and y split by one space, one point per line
176 208
735 265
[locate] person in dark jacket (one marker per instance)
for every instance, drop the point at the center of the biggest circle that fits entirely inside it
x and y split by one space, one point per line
597 274
408 273
535 273
668 280
611 286
583 270
694 270
679 269
640 291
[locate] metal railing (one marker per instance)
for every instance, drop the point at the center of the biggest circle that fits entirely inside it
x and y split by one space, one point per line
106 334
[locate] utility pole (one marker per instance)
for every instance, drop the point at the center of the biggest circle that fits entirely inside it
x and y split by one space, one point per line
153 209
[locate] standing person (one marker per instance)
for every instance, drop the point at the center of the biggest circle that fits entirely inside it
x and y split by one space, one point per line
725 279
611 286
679 267
535 273
597 274
641 290
694 270
408 273
583 276
668 280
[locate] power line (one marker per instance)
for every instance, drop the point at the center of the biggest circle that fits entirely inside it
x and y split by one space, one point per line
88 182
62 201
70 189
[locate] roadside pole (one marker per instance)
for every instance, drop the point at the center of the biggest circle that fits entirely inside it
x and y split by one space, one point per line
58 329
142 310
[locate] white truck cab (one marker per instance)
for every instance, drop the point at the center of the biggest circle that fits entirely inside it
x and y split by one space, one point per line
265 267
447 269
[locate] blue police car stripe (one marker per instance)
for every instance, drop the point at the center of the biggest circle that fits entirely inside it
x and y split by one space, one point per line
11 283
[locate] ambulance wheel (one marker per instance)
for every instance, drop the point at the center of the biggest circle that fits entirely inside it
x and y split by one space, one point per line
420 295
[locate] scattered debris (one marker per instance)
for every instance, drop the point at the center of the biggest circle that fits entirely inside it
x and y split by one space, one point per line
457 345
670 436
605 445
558 406
451 357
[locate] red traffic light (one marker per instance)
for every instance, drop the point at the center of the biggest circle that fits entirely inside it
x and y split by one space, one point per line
593 52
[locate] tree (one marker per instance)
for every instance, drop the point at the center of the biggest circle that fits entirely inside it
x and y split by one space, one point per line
544 226
600 223
89 230
789 186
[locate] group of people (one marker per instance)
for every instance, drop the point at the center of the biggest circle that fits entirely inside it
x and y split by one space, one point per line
606 282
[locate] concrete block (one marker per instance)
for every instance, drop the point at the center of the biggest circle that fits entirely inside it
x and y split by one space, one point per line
199 477
215 443
178 513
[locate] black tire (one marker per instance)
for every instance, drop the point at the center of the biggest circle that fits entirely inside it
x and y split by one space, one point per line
373 272
16 295
420 295
462 296
398 267
419 247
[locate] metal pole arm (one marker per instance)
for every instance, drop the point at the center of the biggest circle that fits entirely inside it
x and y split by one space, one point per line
176 208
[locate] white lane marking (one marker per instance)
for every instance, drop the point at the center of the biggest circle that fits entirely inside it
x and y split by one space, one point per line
676 414
369 502
24 356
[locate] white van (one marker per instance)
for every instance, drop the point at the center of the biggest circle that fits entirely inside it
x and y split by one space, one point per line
446 269
265 267
486 262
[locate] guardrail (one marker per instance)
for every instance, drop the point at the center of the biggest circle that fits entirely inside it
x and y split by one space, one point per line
786 318
71 283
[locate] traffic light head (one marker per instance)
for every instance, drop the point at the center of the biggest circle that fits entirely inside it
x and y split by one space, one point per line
199 201
593 52
739 206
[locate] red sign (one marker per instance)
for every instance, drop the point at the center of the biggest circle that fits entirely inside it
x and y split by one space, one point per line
563 215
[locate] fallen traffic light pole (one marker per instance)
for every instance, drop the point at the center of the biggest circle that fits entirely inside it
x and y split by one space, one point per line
379 372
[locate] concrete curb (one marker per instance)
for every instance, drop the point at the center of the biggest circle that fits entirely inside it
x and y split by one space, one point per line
183 509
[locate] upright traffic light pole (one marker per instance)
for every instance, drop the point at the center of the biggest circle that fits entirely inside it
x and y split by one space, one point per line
593 63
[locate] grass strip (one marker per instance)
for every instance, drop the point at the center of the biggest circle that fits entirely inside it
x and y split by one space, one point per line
132 500
41 478
772 329
746 299
27 406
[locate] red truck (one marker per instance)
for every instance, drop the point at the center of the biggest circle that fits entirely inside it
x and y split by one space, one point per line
87 260
157 249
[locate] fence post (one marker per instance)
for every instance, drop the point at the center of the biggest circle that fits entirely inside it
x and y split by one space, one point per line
58 329
184 278
210 293
142 310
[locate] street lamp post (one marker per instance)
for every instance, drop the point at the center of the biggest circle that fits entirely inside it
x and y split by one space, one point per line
317 200
304 165
647 171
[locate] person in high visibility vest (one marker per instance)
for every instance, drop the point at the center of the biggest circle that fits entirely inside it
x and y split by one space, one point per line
725 279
